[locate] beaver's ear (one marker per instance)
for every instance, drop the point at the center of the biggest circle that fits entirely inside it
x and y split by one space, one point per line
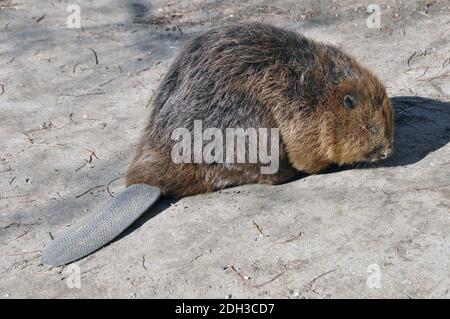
349 101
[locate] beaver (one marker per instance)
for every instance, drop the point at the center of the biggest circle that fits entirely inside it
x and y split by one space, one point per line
328 109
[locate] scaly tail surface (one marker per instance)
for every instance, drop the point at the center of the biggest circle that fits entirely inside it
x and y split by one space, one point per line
113 218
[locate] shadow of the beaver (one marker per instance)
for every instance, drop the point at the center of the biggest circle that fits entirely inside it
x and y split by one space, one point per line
422 126
161 205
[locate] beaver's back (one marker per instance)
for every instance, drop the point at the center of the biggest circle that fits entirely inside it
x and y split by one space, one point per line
217 72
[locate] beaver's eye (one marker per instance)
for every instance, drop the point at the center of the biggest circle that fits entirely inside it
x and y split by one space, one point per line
349 101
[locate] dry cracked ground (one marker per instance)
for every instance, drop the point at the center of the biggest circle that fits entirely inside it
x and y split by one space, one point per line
74 101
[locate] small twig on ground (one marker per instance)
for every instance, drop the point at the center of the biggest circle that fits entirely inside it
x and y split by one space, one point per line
424 14
91 157
319 276
292 238
237 273
27 201
99 92
440 76
40 19
51 145
51 127
93 268
105 83
95 55
17 224
410 58
143 262
85 272
26 232
445 62
29 137
90 190
100 186
428 188
109 191
132 74
84 164
258 228
423 74
14 196
195 258
31 140
268 282
2 89
89 270
15 265
109 184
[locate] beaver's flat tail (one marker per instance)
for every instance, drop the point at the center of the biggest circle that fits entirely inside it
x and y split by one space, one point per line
111 220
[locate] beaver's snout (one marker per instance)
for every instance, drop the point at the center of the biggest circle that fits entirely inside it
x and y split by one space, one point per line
380 153
386 153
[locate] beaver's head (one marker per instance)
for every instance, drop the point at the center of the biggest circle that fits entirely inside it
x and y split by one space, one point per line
358 121
341 115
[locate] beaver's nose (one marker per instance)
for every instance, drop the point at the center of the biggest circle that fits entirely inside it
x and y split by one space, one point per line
386 153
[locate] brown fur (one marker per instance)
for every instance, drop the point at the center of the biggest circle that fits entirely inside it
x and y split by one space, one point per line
257 75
